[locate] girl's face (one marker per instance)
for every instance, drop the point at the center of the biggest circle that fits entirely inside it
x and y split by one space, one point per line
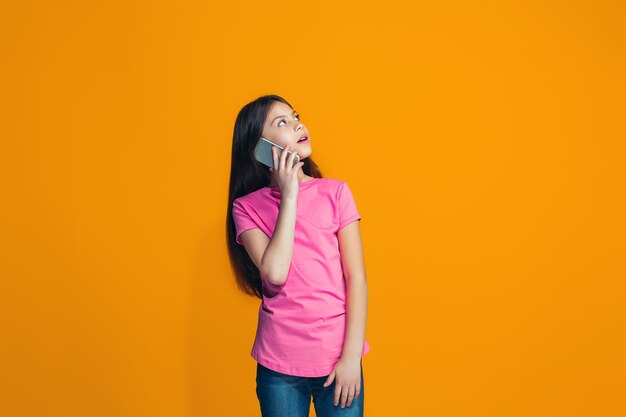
283 127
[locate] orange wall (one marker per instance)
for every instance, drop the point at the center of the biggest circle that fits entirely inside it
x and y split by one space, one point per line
484 143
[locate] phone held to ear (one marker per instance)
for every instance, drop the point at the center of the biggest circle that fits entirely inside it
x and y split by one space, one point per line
263 152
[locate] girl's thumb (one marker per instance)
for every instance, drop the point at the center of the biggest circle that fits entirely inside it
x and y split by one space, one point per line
271 170
330 378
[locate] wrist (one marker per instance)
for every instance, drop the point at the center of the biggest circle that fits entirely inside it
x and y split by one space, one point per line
287 199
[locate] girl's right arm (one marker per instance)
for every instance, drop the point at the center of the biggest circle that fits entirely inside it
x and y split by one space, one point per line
273 256
276 260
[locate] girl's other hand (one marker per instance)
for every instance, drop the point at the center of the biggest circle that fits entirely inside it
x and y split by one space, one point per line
286 176
347 377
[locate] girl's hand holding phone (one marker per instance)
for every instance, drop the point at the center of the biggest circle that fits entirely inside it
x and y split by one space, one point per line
286 174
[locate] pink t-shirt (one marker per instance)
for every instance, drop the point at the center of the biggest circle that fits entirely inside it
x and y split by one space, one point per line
302 322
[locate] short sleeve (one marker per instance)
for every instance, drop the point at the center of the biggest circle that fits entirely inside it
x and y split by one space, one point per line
346 206
242 220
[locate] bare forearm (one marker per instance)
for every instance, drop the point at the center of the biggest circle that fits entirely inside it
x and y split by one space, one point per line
356 318
277 257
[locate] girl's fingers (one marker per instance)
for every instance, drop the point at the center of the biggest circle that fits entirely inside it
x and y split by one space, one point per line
292 158
344 396
350 396
337 394
283 157
275 157
285 162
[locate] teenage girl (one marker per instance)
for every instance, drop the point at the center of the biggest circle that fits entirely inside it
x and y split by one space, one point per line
295 243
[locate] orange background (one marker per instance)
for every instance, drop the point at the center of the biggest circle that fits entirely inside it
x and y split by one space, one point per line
484 143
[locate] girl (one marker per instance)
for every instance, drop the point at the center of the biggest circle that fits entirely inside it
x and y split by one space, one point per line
295 243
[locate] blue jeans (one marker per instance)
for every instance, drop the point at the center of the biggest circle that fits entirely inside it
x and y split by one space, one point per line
282 395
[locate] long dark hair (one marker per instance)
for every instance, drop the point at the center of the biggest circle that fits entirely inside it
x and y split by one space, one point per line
247 175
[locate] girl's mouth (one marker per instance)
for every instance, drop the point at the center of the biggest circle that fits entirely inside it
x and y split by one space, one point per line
305 139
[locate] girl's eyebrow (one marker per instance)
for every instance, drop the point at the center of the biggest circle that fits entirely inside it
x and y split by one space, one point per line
284 115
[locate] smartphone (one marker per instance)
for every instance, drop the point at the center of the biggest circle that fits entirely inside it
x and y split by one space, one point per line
263 152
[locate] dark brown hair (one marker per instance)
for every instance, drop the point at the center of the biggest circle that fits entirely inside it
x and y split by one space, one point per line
248 175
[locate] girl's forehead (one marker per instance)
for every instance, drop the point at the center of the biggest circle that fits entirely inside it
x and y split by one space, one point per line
280 109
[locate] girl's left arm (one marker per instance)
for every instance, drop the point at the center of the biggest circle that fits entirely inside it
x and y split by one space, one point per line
347 370
351 250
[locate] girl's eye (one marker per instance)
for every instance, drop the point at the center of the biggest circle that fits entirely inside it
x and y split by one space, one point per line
297 116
